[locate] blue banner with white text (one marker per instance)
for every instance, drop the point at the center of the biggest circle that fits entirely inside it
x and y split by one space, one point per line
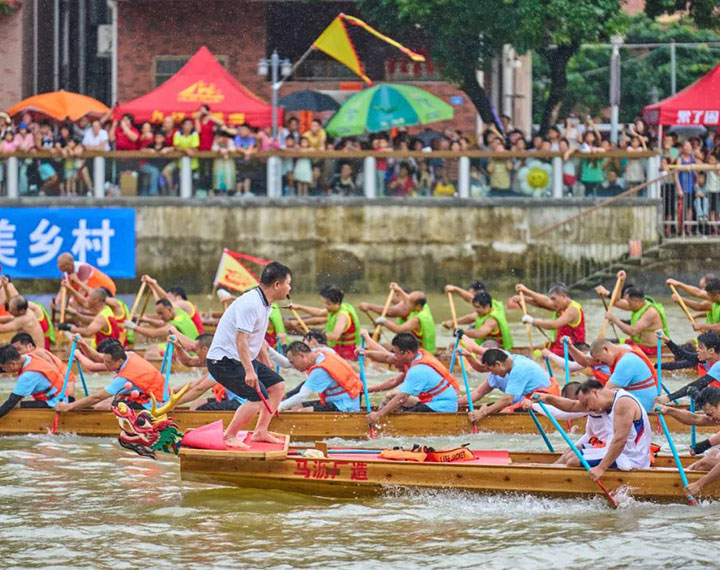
32 238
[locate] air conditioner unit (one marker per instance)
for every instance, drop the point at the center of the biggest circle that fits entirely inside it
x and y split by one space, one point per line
104 40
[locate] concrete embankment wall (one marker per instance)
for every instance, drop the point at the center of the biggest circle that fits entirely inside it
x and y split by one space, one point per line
362 245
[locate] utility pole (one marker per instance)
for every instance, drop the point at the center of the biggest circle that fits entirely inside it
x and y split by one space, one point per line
615 90
673 69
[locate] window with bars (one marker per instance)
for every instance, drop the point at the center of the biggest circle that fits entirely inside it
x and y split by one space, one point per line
165 66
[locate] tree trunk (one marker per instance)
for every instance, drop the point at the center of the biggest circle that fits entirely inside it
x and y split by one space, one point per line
557 59
478 97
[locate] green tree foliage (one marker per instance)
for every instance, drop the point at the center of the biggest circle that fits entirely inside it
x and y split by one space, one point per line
588 72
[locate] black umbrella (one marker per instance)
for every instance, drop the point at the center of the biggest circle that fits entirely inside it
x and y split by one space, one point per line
308 101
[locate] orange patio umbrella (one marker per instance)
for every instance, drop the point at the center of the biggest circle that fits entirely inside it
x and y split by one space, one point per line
60 105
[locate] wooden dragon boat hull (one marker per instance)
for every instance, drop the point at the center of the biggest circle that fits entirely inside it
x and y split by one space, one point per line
354 474
301 426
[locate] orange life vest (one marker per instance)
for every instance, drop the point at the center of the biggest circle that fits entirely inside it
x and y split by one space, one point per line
144 376
447 379
650 381
43 367
99 279
340 371
59 364
600 375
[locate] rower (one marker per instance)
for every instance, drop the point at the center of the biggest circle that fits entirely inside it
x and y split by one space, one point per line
579 359
469 294
84 272
24 320
169 315
7 292
708 294
37 379
25 344
708 353
627 426
317 341
104 322
708 400
630 370
237 358
342 326
420 322
568 317
178 298
516 376
398 307
686 356
646 317
489 323
330 376
424 377
136 381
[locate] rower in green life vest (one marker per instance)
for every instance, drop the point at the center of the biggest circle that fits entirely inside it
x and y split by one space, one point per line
490 324
469 294
419 322
169 316
646 317
711 305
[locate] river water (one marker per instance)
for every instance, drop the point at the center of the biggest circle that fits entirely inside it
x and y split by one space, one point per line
86 502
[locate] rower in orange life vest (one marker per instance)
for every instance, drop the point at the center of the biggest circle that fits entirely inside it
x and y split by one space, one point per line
178 298
84 272
580 359
136 380
342 326
630 370
26 345
329 376
515 375
104 321
424 377
37 379
568 317
708 352
25 320
626 421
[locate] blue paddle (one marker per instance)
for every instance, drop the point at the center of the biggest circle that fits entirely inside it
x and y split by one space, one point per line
82 377
541 430
65 383
168 365
280 351
361 362
678 463
458 335
567 361
547 363
467 384
579 455
692 427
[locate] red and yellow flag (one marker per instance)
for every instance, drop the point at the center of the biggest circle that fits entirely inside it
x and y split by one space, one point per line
335 42
233 274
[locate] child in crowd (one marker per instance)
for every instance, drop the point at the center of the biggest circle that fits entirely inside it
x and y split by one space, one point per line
303 171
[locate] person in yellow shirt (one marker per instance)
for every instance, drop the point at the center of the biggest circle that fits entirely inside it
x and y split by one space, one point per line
316 136
187 141
443 187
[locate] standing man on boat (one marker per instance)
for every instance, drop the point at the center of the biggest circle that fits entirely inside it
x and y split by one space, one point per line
568 317
630 369
331 377
489 322
419 322
515 375
178 298
425 378
237 358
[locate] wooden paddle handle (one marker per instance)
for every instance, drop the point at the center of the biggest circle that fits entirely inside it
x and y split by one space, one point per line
528 328
682 304
615 294
386 307
63 303
298 318
452 309
137 300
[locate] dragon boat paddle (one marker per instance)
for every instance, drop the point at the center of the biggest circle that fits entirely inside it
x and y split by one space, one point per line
678 463
528 328
361 362
604 302
82 376
539 427
386 307
452 309
65 383
467 386
167 363
693 436
566 357
458 335
613 298
576 451
682 304
547 364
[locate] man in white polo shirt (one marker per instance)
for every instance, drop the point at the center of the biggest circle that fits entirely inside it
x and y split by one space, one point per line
237 358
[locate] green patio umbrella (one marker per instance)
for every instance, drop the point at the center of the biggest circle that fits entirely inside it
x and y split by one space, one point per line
385 106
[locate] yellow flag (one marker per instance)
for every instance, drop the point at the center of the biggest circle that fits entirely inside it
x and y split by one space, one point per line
335 42
231 273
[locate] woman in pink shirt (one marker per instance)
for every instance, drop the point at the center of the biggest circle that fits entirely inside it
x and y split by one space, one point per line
9 144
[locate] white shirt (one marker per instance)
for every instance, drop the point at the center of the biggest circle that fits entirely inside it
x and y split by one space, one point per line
101 140
249 314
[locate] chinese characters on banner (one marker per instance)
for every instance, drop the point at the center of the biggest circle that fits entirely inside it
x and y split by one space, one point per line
32 238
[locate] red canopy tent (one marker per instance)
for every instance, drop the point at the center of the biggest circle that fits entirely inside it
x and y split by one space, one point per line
201 80
696 105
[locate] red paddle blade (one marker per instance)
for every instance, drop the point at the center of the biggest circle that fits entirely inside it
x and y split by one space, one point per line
265 402
610 498
55 424
372 432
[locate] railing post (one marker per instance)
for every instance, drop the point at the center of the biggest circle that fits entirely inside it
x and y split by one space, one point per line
99 176
464 177
185 177
274 177
12 177
557 177
369 177
653 171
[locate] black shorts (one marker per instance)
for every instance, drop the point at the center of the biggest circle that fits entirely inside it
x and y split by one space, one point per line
419 408
215 406
231 374
318 406
34 404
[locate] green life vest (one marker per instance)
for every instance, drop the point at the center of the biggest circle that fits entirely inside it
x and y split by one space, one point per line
499 307
713 315
636 315
50 333
130 334
505 337
184 324
349 337
276 321
427 328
